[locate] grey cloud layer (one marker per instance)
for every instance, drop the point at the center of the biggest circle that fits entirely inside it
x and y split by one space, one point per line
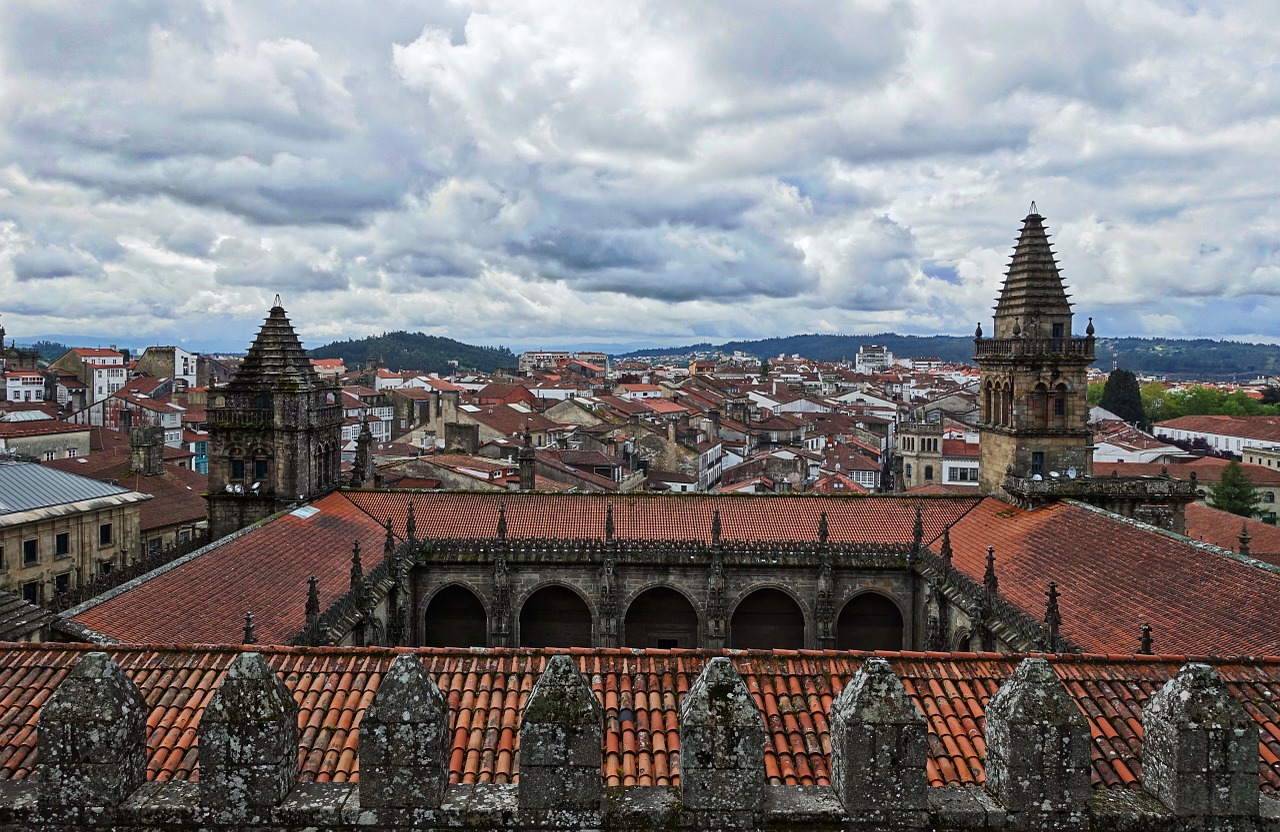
632 171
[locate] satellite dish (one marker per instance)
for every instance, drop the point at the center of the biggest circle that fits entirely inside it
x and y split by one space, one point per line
231 489
1036 478
1054 474
256 486
1071 473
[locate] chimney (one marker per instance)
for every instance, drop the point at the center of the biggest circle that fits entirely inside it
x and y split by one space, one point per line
146 449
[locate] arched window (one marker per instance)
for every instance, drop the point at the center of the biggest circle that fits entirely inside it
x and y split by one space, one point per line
455 618
869 621
767 619
661 617
555 616
1269 497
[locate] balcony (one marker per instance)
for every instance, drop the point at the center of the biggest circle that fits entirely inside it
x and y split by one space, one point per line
1071 347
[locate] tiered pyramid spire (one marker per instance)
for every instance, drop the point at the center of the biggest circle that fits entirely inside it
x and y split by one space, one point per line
1032 285
276 357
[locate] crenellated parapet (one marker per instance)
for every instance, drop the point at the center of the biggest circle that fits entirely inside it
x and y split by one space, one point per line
1200 768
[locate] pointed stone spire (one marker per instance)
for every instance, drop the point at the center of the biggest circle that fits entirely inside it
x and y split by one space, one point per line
989 579
411 526
249 637
357 570
917 530
823 530
502 521
722 738
560 735
313 599
946 554
1032 291
715 528
388 541
276 357
405 740
1245 537
608 523
1052 617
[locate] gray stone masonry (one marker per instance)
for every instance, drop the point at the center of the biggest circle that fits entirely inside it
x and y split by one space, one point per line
1038 750
1200 748
561 732
248 741
878 749
1200 758
721 744
405 740
92 737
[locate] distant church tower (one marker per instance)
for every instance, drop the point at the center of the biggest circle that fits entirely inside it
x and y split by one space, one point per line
1034 415
275 431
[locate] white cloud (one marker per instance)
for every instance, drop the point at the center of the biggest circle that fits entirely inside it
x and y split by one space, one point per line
639 170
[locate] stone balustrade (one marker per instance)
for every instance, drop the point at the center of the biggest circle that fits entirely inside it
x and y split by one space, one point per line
1200 762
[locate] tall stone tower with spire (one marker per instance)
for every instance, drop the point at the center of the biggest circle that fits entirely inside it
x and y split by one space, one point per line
275 431
1033 411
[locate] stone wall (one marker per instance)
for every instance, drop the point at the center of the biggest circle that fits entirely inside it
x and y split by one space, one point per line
1200 767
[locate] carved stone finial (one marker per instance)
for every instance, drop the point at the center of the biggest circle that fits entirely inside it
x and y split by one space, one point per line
823 530
389 541
91 737
411 525
1144 640
1089 330
1052 617
917 530
502 521
1200 748
1245 537
608 523
357 569
1017 327
989 579
722 741
560 736
249 637
715 528
405 740
977 333
946 554
878 749
313 597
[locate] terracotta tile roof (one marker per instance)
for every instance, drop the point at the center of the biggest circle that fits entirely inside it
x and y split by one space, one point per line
959 447
860 519
1115 574
203 598
1258 428
39 427
1222 529
664 406
1207 469
640 693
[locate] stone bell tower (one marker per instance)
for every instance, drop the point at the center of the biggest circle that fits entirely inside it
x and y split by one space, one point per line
275 431
1033 410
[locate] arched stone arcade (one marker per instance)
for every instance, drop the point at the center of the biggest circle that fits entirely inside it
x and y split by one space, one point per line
661 617
767 618
870 621
555 616
454 617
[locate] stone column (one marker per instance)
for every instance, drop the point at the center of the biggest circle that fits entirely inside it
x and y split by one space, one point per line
1200 748
722 741
1038 750
561 732
405 740
248 741
878 749
91 737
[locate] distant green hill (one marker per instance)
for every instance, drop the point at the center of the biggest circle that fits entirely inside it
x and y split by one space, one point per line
1200 358
416 351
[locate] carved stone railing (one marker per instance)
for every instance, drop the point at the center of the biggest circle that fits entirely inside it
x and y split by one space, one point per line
1072 347
1200 761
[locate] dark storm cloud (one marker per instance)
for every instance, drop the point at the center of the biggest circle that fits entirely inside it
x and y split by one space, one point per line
48 262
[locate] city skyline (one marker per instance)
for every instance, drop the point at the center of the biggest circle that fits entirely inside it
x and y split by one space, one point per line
631 174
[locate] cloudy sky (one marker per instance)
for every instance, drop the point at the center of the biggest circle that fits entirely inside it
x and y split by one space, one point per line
595 173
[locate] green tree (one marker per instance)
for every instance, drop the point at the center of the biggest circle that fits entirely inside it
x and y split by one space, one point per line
1235 492
1093 393
1122 397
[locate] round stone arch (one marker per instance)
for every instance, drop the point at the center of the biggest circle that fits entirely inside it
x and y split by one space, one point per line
557 621
770 624
962 641
661 632
458 626
871 619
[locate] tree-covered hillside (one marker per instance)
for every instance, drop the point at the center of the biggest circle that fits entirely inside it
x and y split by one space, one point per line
1199 359
416 351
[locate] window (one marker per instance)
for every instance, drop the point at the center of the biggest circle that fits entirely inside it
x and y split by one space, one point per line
4 564
908 472
105 567
1037 463
153 545
104 534
61 583
1269 497
1059 406
31 592
184 536
30 552
928 473
1057 330
71 452
48 456
237 469
62 543
260 469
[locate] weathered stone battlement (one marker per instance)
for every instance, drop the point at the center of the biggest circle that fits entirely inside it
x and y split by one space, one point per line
1200 767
